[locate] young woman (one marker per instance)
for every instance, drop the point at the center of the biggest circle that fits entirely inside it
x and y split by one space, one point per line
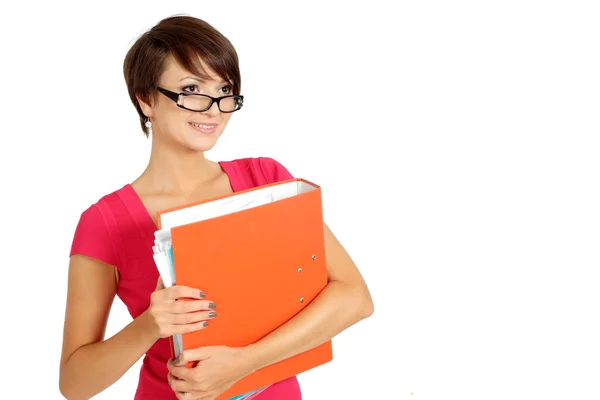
183 79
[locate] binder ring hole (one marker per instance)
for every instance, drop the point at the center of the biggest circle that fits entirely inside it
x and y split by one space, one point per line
299 270
301 299
314 256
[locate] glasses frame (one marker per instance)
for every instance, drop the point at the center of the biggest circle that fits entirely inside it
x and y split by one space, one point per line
178 99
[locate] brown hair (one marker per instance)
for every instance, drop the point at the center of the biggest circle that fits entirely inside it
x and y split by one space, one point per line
188 40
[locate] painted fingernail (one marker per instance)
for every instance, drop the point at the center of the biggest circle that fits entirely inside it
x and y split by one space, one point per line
212 314
212 305
205 324
202 295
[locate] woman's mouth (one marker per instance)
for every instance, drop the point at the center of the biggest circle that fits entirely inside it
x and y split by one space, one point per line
206 129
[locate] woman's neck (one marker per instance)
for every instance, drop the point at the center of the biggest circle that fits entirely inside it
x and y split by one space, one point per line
176 172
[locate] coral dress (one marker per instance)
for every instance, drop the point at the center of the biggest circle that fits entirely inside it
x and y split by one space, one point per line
119 231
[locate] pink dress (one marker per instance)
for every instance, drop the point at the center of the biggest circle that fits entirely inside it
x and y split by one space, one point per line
119 231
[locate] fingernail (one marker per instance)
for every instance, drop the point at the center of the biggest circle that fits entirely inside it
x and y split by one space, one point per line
212 305
205 324
202 295
212 314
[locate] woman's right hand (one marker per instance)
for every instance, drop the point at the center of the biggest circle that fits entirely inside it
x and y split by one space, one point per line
168 316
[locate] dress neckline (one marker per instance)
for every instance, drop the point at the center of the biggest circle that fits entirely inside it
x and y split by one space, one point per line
141 214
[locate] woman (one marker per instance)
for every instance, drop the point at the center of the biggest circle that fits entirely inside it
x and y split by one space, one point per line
183 79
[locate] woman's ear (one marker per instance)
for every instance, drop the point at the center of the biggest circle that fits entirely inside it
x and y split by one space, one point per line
146 106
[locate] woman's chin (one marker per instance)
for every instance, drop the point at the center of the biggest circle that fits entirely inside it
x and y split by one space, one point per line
201 144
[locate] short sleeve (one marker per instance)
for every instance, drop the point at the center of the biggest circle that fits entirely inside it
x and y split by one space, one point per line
92 237
273 170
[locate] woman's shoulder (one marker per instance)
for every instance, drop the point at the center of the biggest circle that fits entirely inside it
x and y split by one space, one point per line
97 226
93 210
259 170
93 236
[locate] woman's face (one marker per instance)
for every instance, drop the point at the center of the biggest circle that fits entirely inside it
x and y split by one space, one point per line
196 131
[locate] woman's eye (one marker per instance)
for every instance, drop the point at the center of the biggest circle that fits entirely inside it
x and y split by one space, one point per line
196 89
185 89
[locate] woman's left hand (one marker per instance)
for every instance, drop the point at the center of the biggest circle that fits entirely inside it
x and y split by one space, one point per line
218 368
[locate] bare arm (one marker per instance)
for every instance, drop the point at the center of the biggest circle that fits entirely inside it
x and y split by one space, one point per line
88 364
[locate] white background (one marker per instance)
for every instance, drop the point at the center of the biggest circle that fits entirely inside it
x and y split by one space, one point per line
456 143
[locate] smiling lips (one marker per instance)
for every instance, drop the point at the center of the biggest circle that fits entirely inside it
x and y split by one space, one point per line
206 128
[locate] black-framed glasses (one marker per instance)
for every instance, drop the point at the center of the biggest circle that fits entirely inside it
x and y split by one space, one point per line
203 102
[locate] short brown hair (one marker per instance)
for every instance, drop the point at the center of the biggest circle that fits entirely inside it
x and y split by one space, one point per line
188 40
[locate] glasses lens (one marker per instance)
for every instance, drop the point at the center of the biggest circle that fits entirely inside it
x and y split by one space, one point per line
198 103
229 104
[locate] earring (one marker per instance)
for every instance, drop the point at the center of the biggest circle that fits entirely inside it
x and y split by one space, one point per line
148 123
